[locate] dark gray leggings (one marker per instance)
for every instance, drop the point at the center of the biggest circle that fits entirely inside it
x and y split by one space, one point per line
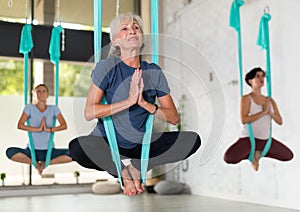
167 147
40 154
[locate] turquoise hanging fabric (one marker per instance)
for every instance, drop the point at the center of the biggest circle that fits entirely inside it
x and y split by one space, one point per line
54 51
112 140
154 30
150 120
97 30
26 44
263 41
146 147
235 23
108 123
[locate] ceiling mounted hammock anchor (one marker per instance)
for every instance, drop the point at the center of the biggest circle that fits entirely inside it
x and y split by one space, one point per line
10 3
267 10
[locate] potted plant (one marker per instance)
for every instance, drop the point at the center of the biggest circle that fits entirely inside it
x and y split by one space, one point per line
180 124
3 176
77 175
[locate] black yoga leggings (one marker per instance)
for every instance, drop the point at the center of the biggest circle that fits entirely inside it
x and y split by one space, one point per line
40 154
167 147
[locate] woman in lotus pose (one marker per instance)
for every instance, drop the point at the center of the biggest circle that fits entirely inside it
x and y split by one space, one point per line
258 110
130 86
41 117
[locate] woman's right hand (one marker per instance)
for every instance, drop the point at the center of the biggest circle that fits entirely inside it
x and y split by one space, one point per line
267 106
43 124
134 90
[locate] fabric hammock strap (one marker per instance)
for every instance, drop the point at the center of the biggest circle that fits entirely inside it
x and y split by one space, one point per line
107 121
263 41
112 140
150 119
26 44
54 51
146 147
234 22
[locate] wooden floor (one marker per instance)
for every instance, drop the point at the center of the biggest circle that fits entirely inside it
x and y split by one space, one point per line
119 203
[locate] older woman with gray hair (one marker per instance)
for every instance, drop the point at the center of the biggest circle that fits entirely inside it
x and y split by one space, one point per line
130 86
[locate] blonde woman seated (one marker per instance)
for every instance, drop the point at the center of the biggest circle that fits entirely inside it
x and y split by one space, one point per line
41 117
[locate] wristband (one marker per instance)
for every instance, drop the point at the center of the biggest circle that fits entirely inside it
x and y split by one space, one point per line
156 108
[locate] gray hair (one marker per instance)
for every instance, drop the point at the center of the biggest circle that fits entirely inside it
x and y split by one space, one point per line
114 28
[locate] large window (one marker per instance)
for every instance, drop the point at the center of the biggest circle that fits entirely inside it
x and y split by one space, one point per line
11 77
74 79
72 76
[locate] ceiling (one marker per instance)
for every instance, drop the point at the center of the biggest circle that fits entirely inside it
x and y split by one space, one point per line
71 11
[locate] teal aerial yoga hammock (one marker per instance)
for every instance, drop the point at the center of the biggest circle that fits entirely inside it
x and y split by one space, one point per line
263 41
54 51
150 120
234 22
26 45
108 123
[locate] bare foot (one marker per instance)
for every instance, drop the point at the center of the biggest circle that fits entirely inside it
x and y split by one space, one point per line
129 188
255 162
38 166
257 155
41 167
135 174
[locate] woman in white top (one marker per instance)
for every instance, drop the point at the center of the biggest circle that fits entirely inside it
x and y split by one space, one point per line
258 110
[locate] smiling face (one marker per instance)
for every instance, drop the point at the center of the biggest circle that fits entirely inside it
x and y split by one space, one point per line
129 35
41 93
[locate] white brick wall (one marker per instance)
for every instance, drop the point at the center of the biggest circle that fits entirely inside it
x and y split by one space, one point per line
205 25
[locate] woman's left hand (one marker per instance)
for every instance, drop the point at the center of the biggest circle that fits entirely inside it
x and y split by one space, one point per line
141 100
44 125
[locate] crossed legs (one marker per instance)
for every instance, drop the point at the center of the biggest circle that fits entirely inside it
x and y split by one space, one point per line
240 151
23 156
168 147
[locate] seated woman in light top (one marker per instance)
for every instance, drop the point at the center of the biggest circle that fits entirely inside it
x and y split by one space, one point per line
258 110
41 117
